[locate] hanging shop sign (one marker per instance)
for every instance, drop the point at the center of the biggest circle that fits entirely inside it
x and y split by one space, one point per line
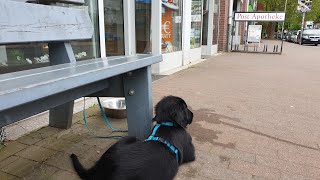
260 16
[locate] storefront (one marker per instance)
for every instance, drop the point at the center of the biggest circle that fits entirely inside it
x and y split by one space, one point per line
211 16
180 30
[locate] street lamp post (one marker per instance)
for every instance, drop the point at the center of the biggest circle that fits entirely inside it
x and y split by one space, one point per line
302 27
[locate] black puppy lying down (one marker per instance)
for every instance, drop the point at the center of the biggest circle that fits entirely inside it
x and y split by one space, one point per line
156 158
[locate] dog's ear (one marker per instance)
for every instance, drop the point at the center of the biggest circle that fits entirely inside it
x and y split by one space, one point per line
180 118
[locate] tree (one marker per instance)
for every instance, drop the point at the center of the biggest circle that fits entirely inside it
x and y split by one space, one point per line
293 18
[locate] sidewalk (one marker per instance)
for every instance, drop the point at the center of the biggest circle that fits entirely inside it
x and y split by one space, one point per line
255 117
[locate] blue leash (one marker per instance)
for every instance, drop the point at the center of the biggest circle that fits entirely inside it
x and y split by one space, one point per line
106 120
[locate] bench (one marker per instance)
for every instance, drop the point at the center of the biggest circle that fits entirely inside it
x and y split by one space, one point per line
54 88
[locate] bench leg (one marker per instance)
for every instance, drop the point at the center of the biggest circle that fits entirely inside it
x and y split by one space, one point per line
137 89
61 116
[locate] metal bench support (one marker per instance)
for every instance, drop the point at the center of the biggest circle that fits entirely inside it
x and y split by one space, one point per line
139 102
61 116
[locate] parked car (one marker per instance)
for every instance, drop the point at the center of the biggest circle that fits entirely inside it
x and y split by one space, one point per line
295 36
288 37
310 36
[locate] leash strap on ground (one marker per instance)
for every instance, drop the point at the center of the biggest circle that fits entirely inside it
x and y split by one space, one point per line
106 119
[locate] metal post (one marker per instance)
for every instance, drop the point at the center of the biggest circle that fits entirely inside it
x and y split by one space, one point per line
302 27
285 10
232 26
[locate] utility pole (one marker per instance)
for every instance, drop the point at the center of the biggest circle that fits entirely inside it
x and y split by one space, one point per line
302 27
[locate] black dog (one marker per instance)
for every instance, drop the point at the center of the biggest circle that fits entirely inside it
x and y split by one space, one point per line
157 158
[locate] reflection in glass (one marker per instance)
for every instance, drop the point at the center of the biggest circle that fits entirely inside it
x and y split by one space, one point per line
205 22
216 17
20 57
88 49
171 25
143 24
114 27
196 18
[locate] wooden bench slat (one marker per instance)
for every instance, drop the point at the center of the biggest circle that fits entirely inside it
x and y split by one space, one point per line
31 86
27 22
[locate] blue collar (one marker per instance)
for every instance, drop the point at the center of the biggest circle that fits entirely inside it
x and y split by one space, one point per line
152 137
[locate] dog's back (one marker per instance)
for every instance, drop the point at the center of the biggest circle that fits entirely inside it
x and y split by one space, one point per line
131 158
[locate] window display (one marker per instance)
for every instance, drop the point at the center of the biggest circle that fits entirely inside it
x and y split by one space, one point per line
114 27
171 25
143 26
196 19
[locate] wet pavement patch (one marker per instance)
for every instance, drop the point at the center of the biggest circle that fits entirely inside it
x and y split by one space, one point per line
208 135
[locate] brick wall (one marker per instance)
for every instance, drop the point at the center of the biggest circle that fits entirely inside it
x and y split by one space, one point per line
223 25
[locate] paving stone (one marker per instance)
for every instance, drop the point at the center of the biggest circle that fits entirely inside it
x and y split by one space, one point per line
234 154
45 132
28 140
75 134
41 173
8 161
288 176
286 166
5 176
63 162
10 149
54 143
100 143
36 153
93 153
59 175
254 169
299 159
21 167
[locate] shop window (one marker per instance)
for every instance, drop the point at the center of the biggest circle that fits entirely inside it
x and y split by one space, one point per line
196 19
114 27
143 26
216 17
205 22
18 57
88 49
171 26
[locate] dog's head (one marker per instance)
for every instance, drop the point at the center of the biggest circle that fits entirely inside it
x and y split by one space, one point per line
173 109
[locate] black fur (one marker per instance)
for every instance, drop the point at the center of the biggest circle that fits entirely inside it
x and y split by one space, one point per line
133 159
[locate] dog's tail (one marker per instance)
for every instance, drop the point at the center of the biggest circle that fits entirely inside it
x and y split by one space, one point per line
82 172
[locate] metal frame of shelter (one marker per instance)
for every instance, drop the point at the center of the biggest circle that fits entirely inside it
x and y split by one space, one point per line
266 50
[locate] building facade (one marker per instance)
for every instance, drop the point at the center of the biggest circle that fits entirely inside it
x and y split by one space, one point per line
182 31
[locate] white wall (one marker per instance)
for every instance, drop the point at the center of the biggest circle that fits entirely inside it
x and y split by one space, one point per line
170 61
